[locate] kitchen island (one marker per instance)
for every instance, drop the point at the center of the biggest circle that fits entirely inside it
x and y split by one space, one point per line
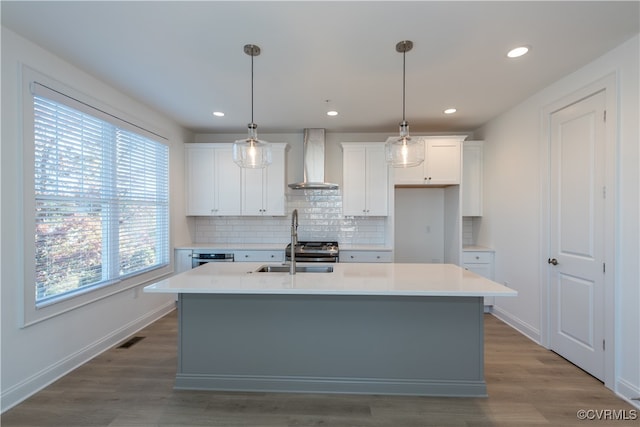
412 329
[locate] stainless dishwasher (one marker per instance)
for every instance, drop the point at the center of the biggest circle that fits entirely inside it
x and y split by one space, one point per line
199 257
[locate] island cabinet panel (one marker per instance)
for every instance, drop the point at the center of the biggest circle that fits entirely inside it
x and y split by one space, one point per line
331 344
365 180
213 180
441 166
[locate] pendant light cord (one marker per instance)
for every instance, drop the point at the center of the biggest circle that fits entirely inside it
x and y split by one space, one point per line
251 88
404 53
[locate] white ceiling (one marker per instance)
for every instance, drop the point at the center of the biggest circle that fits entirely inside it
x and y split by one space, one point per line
186 59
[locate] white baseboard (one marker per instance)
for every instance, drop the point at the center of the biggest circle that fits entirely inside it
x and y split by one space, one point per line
36 382
523 327
628 391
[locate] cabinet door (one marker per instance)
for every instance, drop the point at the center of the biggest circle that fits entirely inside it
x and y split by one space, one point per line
258 256
263 189
443 162
366 256
483 270
480 262
252 191
472 178
182 259
414 175
377 182
354 181
228 180
200 180
274 201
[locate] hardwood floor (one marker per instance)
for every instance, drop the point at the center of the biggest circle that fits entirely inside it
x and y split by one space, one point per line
528 386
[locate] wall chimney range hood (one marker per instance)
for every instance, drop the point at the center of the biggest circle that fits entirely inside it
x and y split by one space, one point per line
313 160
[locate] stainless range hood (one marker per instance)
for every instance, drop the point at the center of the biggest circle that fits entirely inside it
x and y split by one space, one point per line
313 159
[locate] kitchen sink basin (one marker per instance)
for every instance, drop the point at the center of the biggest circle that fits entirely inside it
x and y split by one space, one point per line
299 269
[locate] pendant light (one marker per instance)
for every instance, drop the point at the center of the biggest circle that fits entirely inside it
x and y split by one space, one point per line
404 152
251 152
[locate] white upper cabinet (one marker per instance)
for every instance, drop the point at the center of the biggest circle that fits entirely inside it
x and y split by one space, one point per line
216 186
213 180
263 190
472 178
441 164
365 180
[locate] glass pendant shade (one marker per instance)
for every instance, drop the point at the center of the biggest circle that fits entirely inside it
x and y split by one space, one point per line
404 152
252 153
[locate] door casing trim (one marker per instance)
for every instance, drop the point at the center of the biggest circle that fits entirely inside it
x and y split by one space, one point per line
608 84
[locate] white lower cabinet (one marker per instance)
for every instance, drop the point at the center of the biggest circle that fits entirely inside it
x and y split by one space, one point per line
366 256
258 256
481 263
182 259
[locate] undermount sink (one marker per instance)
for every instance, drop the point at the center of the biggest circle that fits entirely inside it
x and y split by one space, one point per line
299 269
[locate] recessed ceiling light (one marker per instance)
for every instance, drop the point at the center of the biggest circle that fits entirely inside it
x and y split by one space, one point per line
218 113
332 113
518 52
450 111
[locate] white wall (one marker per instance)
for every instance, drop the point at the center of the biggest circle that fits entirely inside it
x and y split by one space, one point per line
512 206
34 356
419 225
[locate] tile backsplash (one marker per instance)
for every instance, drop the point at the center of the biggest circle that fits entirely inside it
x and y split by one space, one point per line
467 231
319 218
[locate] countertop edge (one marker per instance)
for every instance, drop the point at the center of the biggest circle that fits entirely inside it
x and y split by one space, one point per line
332 293
360 280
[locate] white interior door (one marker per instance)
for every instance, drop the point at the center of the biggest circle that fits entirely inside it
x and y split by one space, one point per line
576 259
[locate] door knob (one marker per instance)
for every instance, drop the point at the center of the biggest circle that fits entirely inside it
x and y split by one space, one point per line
552 261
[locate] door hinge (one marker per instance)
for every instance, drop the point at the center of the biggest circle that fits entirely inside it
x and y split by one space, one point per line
603 346
604 192
604 267
604 116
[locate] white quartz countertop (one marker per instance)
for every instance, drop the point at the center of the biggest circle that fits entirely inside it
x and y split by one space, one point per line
476 248
390 279
235 246
272 247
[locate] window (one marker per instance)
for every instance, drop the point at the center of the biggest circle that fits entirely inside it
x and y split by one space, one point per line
101 202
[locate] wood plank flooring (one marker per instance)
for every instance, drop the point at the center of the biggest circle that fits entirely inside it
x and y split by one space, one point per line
132 387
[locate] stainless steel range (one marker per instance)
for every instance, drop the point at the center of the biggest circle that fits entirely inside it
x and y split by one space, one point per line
314 252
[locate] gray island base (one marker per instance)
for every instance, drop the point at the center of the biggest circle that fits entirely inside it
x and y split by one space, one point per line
367 344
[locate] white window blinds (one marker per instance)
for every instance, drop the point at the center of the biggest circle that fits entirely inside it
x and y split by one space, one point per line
101 198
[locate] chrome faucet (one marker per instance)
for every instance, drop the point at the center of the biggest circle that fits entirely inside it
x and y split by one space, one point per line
294 240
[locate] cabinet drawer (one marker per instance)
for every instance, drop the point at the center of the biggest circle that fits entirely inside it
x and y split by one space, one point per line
365 256
258 256
477 257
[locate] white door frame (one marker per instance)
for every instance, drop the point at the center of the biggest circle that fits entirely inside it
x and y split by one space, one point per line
611 320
